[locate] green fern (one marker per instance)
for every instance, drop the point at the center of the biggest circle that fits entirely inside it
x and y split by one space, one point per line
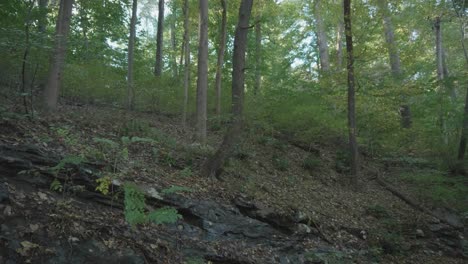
75 160
135 209
134 205
174 189
165 215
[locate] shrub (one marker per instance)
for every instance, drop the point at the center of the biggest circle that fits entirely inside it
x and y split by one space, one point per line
311 162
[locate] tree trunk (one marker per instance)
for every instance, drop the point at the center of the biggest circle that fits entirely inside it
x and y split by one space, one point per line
394 58
464 132
440 75
213 164
258 56
187 62
202 80
439 54
221 51
322 38
173 44
393 54
159 40
131 48
58 57
351 96
84 29
339 45
42 21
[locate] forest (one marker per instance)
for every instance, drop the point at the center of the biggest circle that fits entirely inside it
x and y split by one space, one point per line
233 131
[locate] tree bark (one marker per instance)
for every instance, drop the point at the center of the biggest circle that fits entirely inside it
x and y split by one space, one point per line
351 95
464 132
221 51
131 48
440 74
58 57
339 45
42 21
186 63
174 44
202 80
394 58
439 54
322 38
258 56
393 54
213 164
159 40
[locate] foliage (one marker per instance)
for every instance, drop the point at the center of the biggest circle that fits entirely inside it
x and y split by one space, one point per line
377 211
186 172
134 205
103 184
328 257
311 162
135 209
56 186
280 162
175 189
165 215
74 160
443 189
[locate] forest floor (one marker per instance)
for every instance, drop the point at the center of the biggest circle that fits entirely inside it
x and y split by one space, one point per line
291 205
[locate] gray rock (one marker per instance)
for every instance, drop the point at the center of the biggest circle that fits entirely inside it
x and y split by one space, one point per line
4 194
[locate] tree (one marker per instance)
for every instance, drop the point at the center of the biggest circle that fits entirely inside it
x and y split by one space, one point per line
159 40
258 56
131 48
464 133
58 54
339 40
394 58
214 163
351 94
186 44
202 74
221 51
322 38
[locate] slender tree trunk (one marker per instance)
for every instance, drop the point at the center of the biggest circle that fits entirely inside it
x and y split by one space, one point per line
159 40
213 164
440 75
27 25
41 28
322 38
42 21
187 62
464 132
84 29
439 53
351 95
173 45
58 57
131 48
392 48
258 56
339 45
221 51
394 58
202 80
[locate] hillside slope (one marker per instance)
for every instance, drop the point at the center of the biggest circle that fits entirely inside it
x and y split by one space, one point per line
273 203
